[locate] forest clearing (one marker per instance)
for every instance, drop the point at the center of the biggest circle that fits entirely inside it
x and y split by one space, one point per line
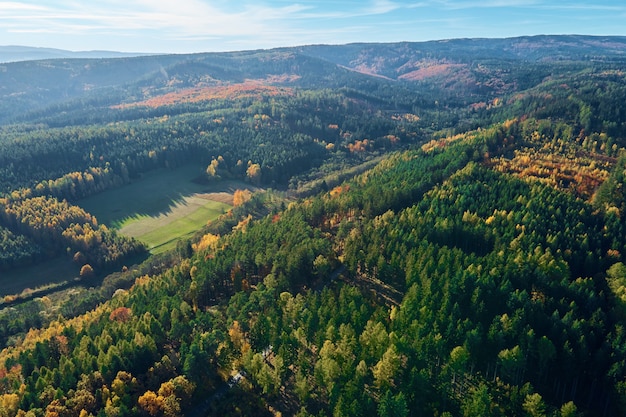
163 206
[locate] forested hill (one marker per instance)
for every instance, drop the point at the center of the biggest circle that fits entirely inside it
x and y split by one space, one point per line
403 229
397 60
473 66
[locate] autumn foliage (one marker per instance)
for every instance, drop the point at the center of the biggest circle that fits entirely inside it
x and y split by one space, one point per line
58 224
360 145
207 241
121 314
86 271
249 88
241 196
167 401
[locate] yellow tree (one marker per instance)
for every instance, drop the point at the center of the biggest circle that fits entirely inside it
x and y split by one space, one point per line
254 173
241 196
238 339
9 403
86 271
151 403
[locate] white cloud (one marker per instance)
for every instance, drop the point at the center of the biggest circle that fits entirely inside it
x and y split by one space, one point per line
483 4
184 17
591 7
382 7
11 6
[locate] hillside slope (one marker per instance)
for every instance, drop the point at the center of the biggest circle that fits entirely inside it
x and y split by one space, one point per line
437 229
477 67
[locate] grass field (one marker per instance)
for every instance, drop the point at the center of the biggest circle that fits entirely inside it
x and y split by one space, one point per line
162 206
54 271
160 233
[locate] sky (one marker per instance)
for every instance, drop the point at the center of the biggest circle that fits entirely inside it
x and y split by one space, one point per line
184 26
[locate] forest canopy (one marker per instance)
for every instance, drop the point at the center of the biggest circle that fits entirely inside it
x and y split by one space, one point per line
416 229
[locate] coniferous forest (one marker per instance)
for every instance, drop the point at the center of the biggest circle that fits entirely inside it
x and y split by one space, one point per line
414 229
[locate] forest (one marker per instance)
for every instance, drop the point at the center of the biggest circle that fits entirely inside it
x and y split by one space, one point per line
439 235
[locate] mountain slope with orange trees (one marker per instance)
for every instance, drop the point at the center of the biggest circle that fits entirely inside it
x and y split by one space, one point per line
248 89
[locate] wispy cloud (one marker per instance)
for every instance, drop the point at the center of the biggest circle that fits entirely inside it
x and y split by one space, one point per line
382 7
361 9
484 4
184 17
8 6
187 19
580 6
528 4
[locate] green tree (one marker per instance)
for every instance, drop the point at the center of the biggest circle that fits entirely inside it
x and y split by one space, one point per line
327 368
392 405
374 339
459 359
387 369
478 403
569 409
534 405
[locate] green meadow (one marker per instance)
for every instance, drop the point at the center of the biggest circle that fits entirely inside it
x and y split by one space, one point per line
51 272
162 206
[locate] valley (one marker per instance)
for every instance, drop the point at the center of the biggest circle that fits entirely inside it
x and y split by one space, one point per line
431 228
162 206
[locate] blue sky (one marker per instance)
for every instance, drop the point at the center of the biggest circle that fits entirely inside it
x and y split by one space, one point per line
182 26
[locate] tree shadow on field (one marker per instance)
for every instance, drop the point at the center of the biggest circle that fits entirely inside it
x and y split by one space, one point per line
153 194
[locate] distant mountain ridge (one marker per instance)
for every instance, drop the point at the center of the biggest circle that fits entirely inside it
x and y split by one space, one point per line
470 69
396 60
16 53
